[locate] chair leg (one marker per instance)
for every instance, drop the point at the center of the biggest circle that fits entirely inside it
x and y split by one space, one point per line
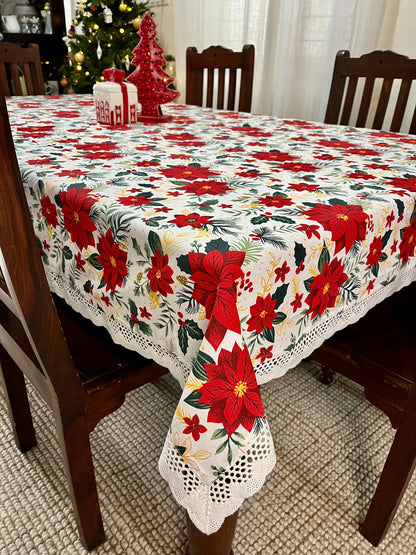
15 392
327 375
393 481
76 451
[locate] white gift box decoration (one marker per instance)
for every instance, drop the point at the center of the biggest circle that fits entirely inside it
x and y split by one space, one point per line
115 100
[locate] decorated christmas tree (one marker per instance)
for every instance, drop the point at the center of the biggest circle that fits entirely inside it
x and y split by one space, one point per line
103 34
150 79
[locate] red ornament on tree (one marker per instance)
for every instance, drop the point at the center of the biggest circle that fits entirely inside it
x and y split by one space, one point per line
150 79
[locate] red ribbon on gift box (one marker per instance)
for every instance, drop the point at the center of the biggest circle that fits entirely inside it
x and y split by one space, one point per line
115 75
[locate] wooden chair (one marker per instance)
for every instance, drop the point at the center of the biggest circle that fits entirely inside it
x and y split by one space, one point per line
386 65
82 375
379 353
222 59
17 62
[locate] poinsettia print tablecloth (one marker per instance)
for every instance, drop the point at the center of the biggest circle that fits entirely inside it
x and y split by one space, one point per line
226 246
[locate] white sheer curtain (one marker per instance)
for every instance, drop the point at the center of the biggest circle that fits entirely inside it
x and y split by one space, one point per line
296 42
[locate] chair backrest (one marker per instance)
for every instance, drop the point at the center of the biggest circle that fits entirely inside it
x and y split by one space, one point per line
227 63
385 65
20 70
41 349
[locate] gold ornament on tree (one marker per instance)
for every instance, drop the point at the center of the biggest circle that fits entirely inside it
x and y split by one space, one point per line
79 57
136 23
122 7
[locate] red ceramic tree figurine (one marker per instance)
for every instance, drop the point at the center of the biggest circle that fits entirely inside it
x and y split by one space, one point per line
150 79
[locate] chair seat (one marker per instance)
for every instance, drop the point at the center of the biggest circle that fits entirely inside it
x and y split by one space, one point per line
104 361
101 364
378 352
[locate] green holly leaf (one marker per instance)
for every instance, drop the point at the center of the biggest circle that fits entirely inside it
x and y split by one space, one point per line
154 243
300 253
279 295
268 334
279 318
386 237
218 434
92 259
217 245
323 257
67 252
145 328
199 366
259 220
183 339
194 330
87 286
193 400
183 264
307 283
133 308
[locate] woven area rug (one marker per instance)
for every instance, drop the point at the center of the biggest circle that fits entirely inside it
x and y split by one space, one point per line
331 445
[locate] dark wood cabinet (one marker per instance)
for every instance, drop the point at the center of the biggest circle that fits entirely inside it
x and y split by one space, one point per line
52 48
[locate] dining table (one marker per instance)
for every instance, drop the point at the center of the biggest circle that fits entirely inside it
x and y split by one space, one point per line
226 246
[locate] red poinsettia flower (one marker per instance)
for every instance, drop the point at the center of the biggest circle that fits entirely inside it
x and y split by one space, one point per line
190 173
232 392
304 187
265 353
297 302
147 164
180 137
76 206
347 223
160 275
298 167
133 200
194 427
36 131
363 151
262 314
409 183
282 271
252 131
39 161
408 242
325 287
370 285
273 156
106 300
249 173
102 155
98 147
113 260
80 262
71 173
276 201
144 313
360 175
208 187
215 275
48 210
193 220
336 143
375 253
309 230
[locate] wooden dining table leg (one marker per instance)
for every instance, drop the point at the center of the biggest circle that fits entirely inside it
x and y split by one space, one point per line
218 543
